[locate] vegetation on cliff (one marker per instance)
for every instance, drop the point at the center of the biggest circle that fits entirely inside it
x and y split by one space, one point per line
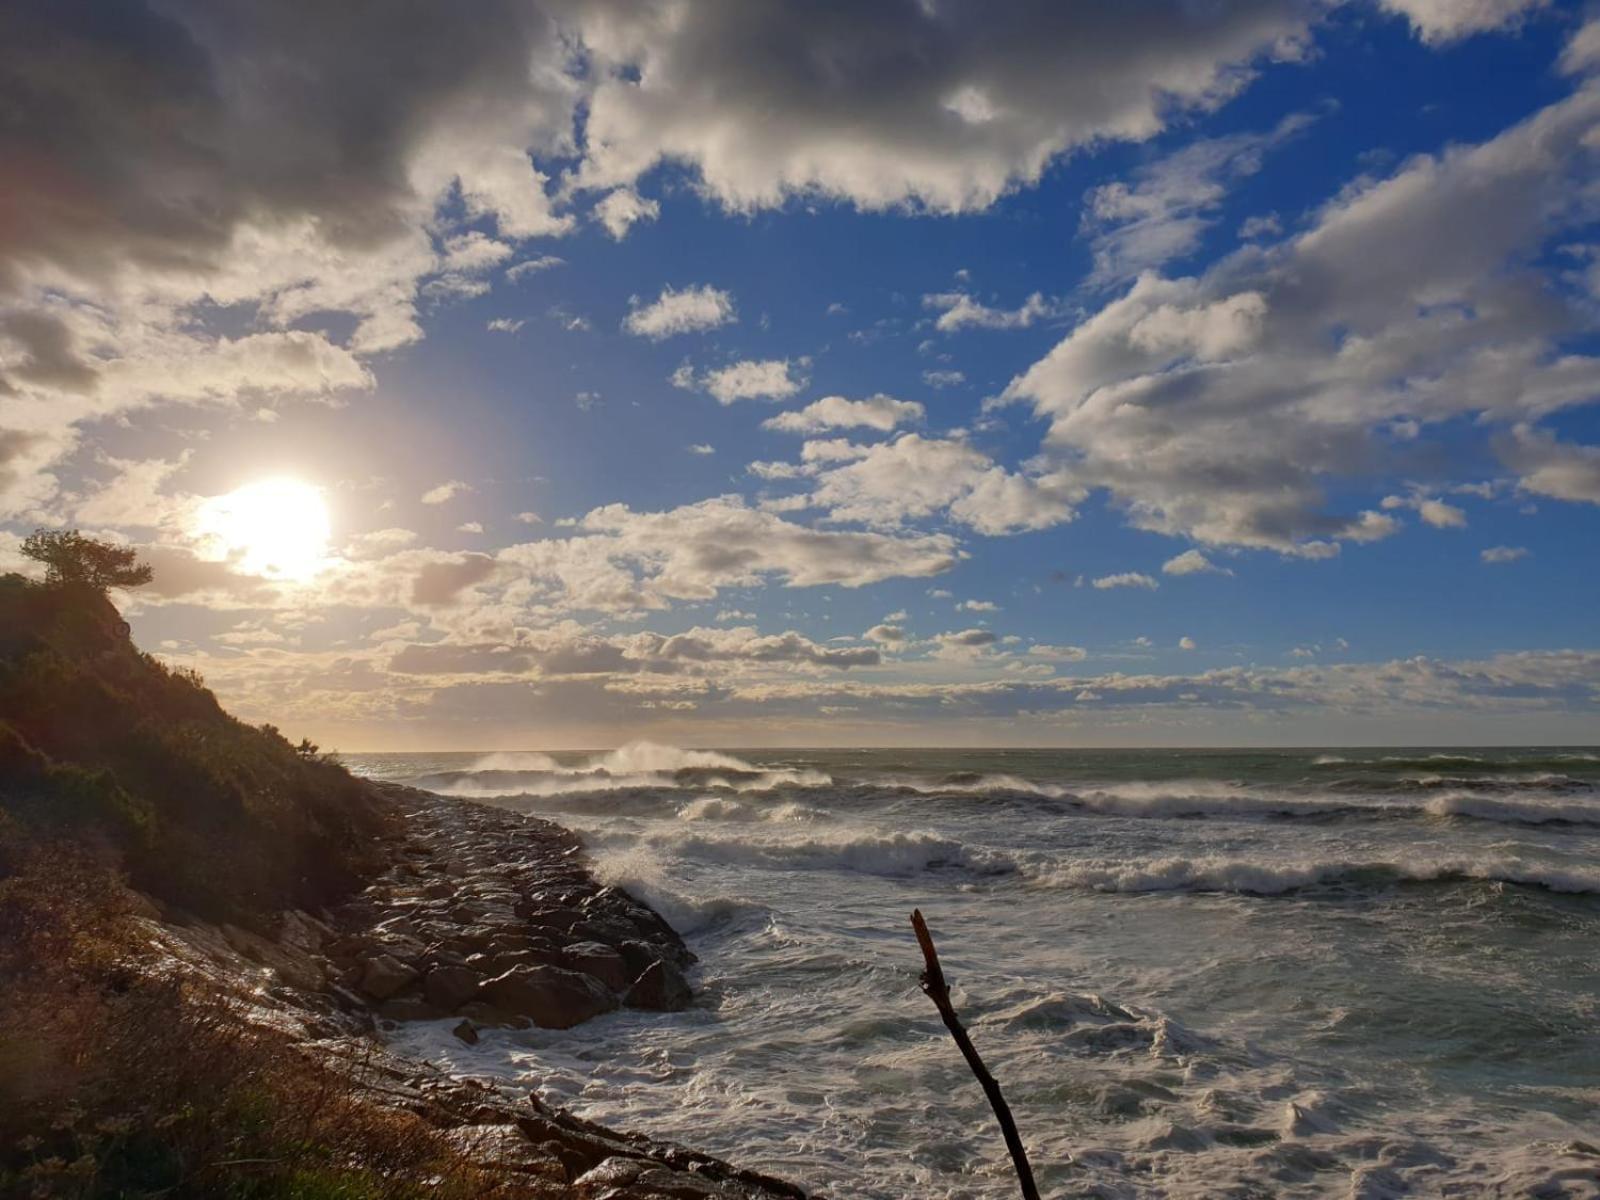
118 1079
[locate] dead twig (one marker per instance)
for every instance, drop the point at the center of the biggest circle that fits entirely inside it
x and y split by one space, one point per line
934 985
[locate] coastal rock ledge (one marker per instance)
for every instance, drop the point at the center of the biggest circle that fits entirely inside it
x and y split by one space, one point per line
493 919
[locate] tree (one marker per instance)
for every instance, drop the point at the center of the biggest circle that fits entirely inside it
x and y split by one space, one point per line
70 559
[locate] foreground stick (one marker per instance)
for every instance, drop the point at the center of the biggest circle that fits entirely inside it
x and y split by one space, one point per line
933 983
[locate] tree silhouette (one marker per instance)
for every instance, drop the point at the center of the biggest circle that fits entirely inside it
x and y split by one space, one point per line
70 559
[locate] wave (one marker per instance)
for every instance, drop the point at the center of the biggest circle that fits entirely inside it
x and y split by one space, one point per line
1250 878
861 851
1511 812
639 764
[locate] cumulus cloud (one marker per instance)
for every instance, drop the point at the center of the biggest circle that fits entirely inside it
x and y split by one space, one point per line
879 412
1186 643
914 477
1217 407
958 310
1450 20
445 492
673 312
621 210
1431 509
624 560
1192 562
1126 579
440 583
748 379
939 106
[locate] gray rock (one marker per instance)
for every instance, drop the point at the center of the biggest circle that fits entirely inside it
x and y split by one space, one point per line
449 987
602 962
552 997
384 975
661 987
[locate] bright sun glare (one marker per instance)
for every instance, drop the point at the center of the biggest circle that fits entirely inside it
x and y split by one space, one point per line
274 527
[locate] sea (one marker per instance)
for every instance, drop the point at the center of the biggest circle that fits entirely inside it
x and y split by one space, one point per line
1362 973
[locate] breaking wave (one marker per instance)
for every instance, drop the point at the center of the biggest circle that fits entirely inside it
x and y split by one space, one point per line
1256 878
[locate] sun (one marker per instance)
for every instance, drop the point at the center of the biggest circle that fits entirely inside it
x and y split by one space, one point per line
274 527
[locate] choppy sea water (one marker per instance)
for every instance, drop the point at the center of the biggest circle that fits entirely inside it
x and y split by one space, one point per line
1360 973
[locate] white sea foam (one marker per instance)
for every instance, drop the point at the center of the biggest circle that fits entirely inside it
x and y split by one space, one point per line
868 851
1271 878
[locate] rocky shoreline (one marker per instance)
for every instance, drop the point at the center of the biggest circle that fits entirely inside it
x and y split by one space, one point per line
493 918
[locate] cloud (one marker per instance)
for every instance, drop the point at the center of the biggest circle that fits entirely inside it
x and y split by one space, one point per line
958 311
701 448
1170 204
748 379
1218 407
1503 554
445 491
439 583
934 106
939 380
470 527
835 412
1431 509
530 518
914 477
674 312
977 606
621 210
533 266
1551 467
378 543
504 325
1126 579
1186 643
1192 562
886 633
1437 21
630 561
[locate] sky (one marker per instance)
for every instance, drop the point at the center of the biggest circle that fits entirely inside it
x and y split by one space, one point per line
798 374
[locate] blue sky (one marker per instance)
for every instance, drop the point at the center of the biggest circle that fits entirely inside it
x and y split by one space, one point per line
1159 374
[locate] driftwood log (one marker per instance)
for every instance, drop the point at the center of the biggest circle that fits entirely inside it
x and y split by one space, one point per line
939 992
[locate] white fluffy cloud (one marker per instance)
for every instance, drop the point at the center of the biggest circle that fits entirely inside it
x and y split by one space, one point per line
1450 20
1126 579
835 412
624 560
747 379
914 477
1217 407
1192 562
445 492
690 310
958 310
941 106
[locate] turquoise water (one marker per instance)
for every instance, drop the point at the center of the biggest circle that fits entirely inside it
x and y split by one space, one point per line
1208 973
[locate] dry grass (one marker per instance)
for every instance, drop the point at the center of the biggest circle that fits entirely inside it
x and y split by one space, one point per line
116 1081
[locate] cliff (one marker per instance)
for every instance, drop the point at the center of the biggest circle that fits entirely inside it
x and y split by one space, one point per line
205 930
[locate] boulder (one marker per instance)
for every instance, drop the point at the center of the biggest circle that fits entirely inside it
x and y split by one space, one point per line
384 975
552 997
661 987
467 1031
602 962
448 987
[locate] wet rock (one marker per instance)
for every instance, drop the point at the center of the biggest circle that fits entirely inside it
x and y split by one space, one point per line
384 975
450 987
467 1031
600 961
551 997
410 1008
661 987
